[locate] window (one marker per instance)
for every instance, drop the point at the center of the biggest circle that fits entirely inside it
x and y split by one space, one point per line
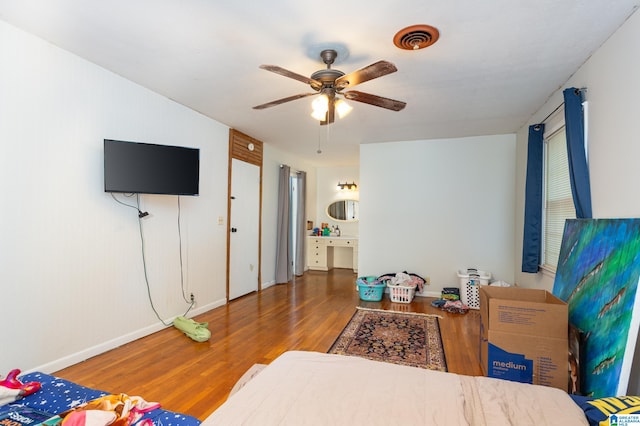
558 201
549 188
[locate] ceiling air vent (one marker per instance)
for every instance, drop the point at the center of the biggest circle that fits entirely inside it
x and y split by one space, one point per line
416 37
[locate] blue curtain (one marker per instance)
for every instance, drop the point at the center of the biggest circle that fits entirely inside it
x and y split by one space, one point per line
532 239
578 169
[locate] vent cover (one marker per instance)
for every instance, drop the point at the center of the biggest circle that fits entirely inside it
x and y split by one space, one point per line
416 37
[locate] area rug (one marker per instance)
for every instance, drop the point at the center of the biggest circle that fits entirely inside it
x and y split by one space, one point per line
398 337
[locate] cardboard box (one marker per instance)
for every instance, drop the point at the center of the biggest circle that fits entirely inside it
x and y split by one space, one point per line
523 311
524 336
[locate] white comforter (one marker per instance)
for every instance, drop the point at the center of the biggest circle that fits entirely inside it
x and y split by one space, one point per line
309 388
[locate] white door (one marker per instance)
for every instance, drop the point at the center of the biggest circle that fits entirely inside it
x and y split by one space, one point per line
244 224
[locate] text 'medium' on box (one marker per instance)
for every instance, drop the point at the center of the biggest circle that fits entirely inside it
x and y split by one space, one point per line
524 336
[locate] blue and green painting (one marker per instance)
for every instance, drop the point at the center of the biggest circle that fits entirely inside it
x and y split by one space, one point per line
597 275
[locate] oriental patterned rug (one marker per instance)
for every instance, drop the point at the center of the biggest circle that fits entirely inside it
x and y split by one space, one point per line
398 337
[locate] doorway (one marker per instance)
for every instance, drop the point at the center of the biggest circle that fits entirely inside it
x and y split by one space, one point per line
244 213
243 236
297 222
293 202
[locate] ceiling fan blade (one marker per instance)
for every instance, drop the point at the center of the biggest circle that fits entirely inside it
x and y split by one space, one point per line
367 73
354 95
283 100
315 84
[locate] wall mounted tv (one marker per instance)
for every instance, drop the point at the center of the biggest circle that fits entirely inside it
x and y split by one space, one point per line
142 168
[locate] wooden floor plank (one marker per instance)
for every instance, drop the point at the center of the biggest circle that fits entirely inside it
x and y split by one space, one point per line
308 314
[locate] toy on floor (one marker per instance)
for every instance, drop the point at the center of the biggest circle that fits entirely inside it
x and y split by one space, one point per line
197 331
12 389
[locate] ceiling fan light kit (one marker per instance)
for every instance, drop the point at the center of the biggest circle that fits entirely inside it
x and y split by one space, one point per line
330 83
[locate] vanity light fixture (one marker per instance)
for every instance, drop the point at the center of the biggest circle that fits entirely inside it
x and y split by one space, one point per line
348 186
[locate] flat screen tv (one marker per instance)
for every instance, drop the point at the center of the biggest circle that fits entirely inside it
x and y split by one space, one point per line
142 168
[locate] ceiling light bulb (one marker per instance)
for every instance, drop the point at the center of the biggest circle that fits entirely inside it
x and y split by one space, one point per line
321 103
320 116
320 107
342 108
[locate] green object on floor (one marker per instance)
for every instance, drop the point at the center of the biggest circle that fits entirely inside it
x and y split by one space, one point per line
197 331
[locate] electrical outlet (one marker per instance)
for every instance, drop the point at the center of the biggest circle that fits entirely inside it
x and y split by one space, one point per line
427 281
193 298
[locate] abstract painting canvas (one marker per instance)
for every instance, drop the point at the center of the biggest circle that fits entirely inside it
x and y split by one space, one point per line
597 275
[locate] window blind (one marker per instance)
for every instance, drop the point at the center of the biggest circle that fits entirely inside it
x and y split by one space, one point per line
558 199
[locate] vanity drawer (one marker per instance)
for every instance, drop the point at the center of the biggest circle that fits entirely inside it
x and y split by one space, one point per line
339 242
318 258
314 246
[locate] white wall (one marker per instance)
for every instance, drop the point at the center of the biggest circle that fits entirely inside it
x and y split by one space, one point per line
613 90
72 283
434 207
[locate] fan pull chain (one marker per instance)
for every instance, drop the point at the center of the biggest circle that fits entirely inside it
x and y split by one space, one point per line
322 133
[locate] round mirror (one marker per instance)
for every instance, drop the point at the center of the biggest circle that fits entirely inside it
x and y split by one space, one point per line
344 210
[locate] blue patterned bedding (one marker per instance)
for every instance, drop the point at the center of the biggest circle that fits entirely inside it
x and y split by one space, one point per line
58 395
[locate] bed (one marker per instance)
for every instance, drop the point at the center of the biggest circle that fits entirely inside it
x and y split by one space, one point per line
58 395
310 388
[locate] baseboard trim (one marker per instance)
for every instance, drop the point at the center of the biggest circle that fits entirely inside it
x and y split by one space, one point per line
268 284
428 294
85 354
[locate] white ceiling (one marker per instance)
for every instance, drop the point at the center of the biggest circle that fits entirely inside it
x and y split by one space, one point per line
496 63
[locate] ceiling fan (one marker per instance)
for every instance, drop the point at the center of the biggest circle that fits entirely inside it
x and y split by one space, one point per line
330 83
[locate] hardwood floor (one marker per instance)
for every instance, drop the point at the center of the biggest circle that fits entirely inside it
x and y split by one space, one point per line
308 314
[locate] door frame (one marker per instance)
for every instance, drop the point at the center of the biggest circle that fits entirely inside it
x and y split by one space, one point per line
244 148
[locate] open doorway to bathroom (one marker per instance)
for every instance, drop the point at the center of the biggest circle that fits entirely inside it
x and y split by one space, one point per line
297 221
290 257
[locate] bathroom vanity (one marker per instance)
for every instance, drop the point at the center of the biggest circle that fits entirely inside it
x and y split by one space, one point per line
324 253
